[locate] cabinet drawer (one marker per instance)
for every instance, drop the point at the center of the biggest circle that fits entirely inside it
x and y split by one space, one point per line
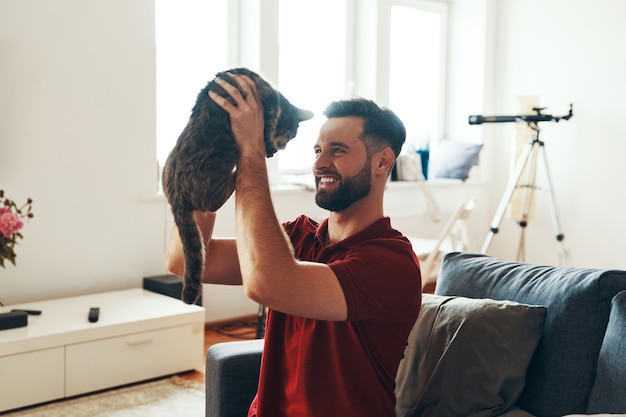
32 377
121 360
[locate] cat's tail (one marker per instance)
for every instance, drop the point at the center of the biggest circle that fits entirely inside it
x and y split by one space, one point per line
193 251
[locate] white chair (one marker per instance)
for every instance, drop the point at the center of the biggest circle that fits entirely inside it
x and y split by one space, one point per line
453 237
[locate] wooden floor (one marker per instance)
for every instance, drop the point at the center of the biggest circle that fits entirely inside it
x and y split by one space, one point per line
243 329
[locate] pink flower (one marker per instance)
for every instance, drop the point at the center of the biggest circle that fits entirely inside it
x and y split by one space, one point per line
9 223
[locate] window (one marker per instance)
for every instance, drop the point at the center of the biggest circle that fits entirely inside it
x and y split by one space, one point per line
415 71
190 51
324 50
311 69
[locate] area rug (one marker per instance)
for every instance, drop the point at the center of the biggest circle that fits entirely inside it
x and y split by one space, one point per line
174 396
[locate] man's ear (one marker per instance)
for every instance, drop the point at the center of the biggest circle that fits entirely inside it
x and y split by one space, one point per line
386 159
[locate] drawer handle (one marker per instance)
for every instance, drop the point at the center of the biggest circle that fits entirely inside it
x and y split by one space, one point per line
139 342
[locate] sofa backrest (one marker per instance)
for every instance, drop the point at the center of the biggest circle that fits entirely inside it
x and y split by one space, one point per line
578 300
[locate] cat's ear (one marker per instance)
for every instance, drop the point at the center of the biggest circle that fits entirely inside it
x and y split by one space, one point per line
304 115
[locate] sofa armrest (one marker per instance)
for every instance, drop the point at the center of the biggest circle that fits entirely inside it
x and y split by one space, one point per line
232 377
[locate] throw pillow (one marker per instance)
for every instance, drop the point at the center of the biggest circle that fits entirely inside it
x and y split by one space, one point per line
454 158
607 394
562 371
467 357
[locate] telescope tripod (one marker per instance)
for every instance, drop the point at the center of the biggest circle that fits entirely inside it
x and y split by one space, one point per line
528 157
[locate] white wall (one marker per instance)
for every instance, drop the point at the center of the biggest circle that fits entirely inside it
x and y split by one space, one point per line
77 128
565 52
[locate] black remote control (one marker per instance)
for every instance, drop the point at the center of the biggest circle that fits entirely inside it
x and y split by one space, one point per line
94 313
29 312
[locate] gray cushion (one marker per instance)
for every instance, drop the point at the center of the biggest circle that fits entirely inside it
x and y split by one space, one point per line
562 371
454 159
609 389
466 357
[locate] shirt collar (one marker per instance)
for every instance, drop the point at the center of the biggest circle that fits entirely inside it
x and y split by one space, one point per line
378 228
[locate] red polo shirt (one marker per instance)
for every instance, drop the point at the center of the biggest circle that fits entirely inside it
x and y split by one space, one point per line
343 368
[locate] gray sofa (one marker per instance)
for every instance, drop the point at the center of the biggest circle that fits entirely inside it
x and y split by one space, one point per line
499 338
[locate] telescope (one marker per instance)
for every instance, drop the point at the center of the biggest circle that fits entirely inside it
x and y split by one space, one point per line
527 159
477 119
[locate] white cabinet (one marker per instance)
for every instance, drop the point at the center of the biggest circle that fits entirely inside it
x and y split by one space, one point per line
140 335
32 377
129 358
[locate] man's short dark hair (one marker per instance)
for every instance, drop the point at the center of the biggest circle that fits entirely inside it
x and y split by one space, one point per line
381 126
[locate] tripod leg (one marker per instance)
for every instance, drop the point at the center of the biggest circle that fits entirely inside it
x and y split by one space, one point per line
508 193
527 199
555 215
521 249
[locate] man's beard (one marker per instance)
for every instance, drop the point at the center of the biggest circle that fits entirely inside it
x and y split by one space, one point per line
349 191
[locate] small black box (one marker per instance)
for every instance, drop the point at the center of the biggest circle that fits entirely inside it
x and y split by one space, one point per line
13 319
169 285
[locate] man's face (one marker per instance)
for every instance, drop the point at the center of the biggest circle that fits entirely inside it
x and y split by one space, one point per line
342 170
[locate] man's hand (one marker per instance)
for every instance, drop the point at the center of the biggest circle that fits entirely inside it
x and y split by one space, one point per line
246 118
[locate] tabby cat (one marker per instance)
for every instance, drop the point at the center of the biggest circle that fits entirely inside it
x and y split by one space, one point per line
200 171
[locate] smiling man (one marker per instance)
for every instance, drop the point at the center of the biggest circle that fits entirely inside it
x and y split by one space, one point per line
342 294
